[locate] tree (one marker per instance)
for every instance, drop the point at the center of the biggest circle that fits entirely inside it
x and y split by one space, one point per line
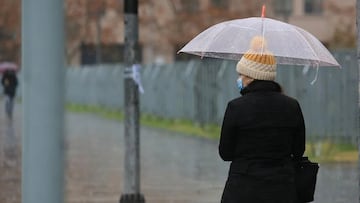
10 30
344 18
163 24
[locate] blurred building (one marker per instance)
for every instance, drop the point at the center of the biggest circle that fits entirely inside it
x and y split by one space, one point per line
167 25
164 27
332 21
95 28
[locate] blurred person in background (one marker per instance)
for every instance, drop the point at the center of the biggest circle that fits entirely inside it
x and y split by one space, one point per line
263 131
9 82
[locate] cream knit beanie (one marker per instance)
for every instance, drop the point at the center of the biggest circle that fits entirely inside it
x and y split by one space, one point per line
258 63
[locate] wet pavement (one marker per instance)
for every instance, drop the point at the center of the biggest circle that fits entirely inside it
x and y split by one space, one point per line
175 168
10 164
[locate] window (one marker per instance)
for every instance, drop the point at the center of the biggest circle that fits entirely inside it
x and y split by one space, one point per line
313 6
283 7
220 3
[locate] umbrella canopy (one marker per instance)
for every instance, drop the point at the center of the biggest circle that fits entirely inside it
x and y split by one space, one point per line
8 66
290 44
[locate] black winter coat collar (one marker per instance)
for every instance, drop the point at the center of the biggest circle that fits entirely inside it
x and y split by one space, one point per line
261 86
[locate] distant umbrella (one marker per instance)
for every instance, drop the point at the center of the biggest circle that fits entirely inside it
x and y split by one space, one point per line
8 66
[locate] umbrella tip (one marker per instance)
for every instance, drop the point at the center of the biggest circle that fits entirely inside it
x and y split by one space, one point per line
263 11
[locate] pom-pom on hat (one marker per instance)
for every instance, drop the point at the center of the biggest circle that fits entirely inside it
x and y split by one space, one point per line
258 62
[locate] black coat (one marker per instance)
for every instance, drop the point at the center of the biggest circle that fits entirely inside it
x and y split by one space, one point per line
262 131
9 82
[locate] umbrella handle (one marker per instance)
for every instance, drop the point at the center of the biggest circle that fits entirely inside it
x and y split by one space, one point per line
316 76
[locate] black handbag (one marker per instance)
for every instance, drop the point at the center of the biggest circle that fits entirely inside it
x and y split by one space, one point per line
305 179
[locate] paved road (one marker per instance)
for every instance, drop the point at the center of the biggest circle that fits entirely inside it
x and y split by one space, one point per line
175 168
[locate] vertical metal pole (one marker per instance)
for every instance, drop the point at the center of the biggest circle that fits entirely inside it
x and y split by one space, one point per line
99 14
43 101
98 39
131 192
358 107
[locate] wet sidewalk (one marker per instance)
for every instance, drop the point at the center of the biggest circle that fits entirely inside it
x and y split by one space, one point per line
174 168
10 160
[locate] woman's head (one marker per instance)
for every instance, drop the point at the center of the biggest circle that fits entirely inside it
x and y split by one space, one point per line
258 63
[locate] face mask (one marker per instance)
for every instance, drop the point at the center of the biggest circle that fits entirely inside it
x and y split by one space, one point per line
239 84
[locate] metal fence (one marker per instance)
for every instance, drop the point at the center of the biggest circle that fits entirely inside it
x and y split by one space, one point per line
199 90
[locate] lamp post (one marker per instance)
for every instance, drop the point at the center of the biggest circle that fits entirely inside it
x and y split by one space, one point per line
358 57
284 8
131 191
99 14
43 101
96 12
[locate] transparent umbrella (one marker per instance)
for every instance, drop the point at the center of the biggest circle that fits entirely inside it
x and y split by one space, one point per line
290 44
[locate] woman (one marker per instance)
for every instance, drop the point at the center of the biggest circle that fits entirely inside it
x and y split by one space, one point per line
9 82
262 132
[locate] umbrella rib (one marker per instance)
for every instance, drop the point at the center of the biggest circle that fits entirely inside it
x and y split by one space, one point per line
207 46
312 49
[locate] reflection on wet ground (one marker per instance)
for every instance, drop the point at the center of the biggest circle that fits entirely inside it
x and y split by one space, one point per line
10 164
337 183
